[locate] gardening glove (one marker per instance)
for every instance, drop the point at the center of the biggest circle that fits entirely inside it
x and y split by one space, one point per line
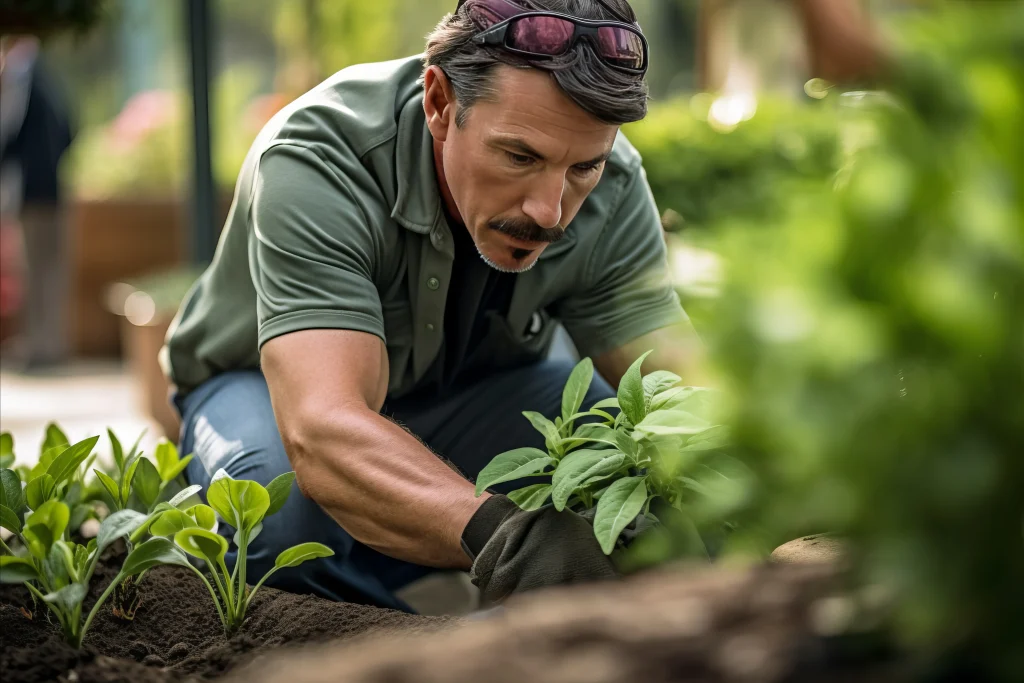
514 550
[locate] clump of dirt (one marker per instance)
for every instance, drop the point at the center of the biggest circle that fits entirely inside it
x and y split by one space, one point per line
175 635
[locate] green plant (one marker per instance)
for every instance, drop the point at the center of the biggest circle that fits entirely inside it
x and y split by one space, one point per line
663 443
57 475
244 505
58 572
138 475
872 336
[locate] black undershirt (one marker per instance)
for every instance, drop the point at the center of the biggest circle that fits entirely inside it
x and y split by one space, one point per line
475 289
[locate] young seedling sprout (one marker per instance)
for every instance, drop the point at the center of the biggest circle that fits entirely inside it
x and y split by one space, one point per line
243 505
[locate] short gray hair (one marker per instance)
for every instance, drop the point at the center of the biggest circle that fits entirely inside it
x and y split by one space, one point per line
610 95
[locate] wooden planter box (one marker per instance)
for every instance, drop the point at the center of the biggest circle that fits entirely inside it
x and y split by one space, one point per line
113 240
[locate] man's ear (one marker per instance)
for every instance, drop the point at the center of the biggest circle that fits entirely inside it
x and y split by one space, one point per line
438 102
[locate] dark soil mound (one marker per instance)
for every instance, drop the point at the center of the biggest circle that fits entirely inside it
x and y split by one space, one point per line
176 635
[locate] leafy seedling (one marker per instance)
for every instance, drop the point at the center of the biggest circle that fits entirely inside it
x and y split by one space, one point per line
653 440
58 572
243 505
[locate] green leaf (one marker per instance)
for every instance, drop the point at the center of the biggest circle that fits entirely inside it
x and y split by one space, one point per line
67 462
658 381
279 489
177 469
53 514
147 482
55 566
579 466
69 597
576 388
206 545
696 400
166 455
296 555
612 402
154 552
710 439
39 540
204 516
115 446
545 427
531 497
672 422
512 465
39 490
10 490
597 434
54 437
17 569
631 392
244 502
6 449
129 479
619 505
184 494
111 486
73 495
171 522
120 523
9 519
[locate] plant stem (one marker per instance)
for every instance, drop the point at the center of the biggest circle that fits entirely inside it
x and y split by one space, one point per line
6 548
53 608
255 588
95 608
240 566
228 602
216 602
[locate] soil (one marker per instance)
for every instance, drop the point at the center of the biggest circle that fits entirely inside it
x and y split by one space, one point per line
176 635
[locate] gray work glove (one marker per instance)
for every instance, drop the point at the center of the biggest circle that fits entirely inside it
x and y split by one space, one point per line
514 550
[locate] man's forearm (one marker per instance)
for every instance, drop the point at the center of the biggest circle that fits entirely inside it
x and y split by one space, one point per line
384 487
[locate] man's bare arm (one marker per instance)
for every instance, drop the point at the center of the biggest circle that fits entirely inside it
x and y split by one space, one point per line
375 479
677 348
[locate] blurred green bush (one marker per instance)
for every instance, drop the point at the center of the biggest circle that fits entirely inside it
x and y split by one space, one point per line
871 333
706 170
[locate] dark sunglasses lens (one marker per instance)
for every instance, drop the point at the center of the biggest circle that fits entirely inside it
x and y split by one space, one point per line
540 35
621 47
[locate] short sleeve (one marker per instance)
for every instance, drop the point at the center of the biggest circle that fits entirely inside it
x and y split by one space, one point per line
629 291
312 246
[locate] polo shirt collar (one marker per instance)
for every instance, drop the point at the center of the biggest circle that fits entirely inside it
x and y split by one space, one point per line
418 200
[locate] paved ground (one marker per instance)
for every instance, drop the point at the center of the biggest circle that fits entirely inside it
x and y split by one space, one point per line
83 398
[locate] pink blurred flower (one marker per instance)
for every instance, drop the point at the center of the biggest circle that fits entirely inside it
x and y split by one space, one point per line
142 114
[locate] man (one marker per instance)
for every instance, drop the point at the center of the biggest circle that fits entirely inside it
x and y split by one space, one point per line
402 242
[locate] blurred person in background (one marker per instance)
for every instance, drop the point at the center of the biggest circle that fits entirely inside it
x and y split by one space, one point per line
35 132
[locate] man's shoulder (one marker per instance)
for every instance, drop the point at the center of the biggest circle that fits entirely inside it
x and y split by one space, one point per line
355 109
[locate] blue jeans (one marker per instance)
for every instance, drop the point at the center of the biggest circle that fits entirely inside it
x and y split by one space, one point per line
228 422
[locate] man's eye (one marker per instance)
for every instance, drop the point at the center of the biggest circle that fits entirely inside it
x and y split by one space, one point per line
519 159
586 169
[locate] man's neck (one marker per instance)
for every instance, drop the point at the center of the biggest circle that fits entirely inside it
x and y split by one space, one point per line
442 183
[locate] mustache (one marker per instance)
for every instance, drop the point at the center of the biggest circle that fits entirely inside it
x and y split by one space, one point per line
526 230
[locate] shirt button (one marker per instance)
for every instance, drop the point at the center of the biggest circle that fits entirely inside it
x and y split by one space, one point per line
433 283
430 327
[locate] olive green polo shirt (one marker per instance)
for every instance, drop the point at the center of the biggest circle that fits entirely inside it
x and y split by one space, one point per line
337 223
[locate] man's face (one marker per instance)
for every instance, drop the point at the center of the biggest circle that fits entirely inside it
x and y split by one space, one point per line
520 167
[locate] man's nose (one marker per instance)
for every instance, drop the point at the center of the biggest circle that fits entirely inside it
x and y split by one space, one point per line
544 203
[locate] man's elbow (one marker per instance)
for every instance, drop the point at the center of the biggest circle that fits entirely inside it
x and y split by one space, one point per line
309 445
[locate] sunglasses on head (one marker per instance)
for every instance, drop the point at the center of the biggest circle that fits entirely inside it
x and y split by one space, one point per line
543 35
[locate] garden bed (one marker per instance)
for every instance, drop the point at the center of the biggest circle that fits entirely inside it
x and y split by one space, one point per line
176 635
